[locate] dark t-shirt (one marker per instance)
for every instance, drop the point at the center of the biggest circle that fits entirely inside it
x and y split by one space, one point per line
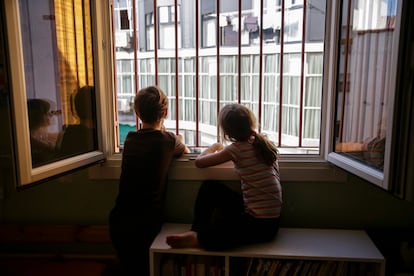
146 159
77 139
42 153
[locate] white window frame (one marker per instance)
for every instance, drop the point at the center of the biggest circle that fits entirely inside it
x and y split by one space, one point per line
293 167
25 173
379 178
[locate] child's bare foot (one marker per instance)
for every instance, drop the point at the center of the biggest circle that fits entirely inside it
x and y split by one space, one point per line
183 240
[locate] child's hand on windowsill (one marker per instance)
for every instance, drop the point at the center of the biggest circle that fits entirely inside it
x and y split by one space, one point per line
214 148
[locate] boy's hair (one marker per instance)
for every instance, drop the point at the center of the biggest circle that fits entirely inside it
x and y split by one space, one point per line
238 123
150 104
83 102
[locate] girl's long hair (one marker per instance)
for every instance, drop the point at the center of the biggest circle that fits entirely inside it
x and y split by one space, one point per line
238 123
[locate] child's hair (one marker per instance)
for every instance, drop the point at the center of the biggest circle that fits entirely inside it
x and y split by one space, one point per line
238 123
38 109
150 104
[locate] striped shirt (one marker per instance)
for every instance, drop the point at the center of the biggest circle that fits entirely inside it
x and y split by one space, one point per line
260 183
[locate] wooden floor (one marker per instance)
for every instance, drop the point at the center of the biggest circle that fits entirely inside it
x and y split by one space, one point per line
46 267
38 250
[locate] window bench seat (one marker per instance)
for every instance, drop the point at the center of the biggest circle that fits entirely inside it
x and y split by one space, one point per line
335 250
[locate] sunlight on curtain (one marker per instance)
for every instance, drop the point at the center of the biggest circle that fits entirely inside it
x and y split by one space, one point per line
74 41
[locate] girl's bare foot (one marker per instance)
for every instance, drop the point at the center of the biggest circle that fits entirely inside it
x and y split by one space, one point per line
183 240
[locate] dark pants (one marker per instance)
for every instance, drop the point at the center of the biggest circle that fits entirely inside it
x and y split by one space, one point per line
132 237
220 220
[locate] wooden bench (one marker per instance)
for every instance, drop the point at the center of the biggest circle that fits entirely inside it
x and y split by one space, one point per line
328 249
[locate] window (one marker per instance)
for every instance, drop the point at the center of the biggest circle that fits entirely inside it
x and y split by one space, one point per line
248 54
53 80
149 31
366 87
208 30
277 59
167 34
274 59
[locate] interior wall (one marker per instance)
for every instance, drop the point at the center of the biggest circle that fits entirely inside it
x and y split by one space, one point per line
354 204
76 199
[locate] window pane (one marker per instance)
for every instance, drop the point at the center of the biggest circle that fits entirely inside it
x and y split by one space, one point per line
164 14
364 89
209 30
226 53
59 75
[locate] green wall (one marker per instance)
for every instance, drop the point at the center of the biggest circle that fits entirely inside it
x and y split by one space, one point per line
354 204
76 199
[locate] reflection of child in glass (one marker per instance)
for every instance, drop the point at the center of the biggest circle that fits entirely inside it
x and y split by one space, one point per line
81 138
371 151
41 141
223 217
137 216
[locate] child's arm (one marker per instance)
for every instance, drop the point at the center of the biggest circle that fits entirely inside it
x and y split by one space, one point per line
181 139
212 156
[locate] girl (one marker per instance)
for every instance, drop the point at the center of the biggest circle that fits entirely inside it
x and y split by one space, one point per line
223 217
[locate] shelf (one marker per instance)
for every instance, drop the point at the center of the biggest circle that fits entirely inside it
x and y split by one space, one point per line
291 244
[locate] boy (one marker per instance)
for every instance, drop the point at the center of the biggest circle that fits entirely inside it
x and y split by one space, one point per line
137 216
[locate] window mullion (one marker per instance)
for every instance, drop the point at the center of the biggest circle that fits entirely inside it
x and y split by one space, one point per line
156 25
197 84
260 66
218 41
345 74
177 60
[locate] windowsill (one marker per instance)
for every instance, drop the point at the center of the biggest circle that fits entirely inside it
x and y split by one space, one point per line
184 169
365 172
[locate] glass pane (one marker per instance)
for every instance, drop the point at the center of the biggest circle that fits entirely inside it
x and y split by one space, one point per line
253 54
124 55
59 78
364 89
164 14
